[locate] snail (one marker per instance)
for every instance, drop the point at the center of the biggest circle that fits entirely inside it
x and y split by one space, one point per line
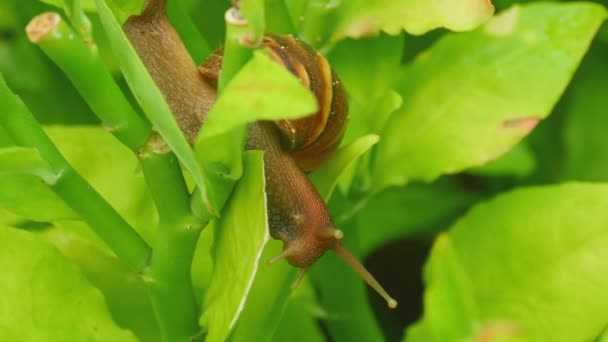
297 215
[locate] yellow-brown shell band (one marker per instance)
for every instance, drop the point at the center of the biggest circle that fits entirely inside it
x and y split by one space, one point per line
314 72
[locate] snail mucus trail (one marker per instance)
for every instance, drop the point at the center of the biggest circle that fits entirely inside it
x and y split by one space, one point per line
297 214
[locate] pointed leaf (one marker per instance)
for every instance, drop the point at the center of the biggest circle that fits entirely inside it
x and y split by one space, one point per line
326 177
534 258
474 95
44 295
241 235
268 299
29 197
298 325
262 90
24 160
359 18
87 5
125 292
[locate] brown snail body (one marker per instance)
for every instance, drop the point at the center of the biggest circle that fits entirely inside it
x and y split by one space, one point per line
299 222
297 214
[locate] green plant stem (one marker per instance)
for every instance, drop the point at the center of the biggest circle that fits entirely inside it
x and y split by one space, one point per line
91 78
168 271
25 131
168 275
79 19
238 47
237 52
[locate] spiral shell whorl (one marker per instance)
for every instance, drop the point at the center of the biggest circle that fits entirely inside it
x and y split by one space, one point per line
311 140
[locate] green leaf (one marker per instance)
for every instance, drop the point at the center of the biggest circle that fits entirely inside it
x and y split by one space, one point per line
111 169
125 292
326 177
295 10
262 90
152 102
585 121
395 213
534 258
450 295
371 95
202 262
241 235
603 336
519 162
315 20
360 18
79 229
121 8
474 95
29 197
44 296
7 218
87 5
298 325
184 25
267 300
24 160
278 18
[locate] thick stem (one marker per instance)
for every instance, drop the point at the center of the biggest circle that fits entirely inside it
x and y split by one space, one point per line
91 78
173 70
238 46
20 124
80 20
168 274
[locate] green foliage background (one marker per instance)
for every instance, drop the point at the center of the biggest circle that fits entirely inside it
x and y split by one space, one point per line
472 178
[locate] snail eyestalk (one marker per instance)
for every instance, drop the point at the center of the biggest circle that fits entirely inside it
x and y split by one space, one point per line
347 256
338 234
284 254
331 232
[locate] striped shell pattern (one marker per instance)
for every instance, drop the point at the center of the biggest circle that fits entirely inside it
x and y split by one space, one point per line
313 139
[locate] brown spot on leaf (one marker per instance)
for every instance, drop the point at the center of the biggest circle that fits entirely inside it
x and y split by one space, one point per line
525 124
497 331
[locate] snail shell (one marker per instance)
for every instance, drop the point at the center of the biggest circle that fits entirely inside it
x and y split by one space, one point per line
313 139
